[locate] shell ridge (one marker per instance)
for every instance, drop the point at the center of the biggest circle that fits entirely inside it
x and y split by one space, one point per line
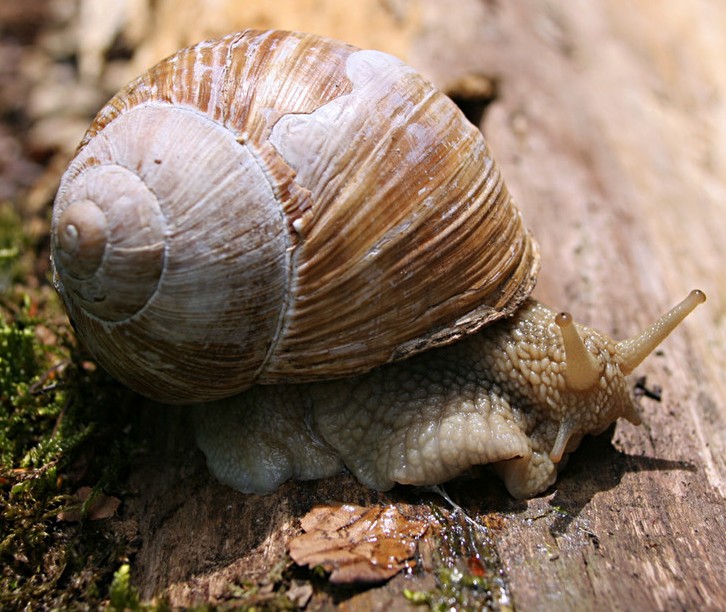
290 257
384 87
223 107
347 109
141 312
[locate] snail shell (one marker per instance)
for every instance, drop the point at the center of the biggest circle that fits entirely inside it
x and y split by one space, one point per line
275 206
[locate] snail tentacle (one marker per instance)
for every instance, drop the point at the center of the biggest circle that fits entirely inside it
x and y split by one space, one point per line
582 370
632 351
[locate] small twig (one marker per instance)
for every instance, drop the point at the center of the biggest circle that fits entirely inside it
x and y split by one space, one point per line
457 508
641 389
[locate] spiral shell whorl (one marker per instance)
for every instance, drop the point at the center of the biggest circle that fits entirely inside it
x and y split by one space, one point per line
109 242
178 219
82 237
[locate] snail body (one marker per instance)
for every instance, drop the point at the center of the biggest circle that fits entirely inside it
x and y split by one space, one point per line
276 208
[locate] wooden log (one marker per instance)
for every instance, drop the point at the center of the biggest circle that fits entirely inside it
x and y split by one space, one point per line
610 128
609 133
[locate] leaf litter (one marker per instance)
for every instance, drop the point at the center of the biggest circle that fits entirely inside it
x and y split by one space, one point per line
358 545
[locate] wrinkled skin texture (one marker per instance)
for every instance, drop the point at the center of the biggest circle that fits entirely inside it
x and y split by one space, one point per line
498 397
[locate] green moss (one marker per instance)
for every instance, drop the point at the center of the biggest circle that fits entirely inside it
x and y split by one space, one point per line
29 398
52 423
122 595
13 244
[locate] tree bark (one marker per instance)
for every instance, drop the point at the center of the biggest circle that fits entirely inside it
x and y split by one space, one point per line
609 125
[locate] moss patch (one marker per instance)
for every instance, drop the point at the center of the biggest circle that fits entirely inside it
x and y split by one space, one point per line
54 418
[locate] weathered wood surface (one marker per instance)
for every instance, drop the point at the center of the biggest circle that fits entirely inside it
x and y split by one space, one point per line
610 126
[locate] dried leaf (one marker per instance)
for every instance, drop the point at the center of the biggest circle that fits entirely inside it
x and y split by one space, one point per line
100 507
358 544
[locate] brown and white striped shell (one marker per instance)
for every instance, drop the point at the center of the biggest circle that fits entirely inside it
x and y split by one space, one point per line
275 206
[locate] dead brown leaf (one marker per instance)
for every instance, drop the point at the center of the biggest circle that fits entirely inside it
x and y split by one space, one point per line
356 544
100 507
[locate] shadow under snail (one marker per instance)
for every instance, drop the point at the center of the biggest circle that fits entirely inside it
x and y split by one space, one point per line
259 223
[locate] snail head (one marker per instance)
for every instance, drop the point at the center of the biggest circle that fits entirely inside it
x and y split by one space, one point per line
593 371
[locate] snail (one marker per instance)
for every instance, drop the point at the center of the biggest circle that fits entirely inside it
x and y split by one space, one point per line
311 245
